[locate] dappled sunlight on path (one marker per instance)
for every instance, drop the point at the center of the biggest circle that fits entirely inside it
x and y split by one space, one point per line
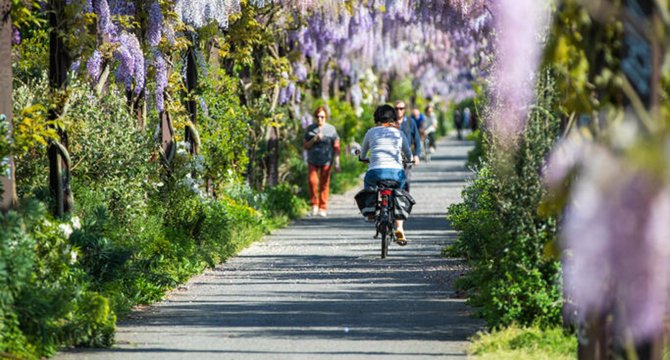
318 290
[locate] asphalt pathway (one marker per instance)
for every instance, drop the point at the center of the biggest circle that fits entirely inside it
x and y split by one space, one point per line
318 290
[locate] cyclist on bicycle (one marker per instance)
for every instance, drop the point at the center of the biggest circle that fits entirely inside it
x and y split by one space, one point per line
387 146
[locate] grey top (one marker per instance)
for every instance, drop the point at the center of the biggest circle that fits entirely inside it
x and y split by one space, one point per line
387 145
322 153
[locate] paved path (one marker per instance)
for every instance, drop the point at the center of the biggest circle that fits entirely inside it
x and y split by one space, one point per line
318 290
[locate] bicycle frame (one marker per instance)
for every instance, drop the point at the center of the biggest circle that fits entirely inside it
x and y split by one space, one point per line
384 221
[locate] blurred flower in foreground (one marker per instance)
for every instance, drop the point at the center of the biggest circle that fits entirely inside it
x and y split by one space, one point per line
616 233
518 23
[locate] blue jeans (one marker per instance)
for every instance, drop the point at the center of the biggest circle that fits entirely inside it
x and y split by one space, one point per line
375 175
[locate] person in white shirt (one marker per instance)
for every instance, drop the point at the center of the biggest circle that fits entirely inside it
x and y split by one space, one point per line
388 146
429 128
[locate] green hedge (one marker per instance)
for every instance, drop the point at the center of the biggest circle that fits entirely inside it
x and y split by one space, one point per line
502 235
137 230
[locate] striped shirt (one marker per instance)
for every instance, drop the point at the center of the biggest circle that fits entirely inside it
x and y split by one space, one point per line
386 145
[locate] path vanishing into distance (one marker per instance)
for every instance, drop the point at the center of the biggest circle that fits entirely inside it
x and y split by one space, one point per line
318 290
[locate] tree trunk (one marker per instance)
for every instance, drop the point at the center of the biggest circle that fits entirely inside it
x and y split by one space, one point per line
167 136
59 63
255 169
191 103
326 78
272 157
8 189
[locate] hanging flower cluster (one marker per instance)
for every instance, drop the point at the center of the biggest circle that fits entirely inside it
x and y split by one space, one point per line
439 43
127 50
616 234
199 13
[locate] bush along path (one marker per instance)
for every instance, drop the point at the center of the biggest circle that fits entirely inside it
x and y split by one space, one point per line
318 289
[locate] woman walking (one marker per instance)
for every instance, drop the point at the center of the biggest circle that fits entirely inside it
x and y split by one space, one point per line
323 151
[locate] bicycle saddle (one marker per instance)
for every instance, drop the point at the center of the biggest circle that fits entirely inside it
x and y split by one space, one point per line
389 184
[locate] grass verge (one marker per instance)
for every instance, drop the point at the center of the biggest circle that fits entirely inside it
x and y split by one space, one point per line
516 343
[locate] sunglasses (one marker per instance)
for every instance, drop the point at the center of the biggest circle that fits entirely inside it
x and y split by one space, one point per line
321 117
400 108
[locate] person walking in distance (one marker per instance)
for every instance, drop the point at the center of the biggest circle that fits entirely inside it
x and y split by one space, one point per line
409 128
323 150
466 118
458 122
429 128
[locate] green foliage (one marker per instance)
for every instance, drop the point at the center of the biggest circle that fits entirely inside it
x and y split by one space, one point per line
282 201
478 154
343 117
144 230
31 57
585 55
402 90
46 302
524 344
502 235
350 176
224 130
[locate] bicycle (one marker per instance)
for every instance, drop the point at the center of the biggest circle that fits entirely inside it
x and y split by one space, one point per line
428 140
426 149
385 211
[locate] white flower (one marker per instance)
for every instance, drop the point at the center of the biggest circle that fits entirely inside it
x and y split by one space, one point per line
66 229
73 257
76 222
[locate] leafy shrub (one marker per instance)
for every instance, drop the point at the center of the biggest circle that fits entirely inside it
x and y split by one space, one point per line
350 175
46 302
478 154
502 235
282 201
224 129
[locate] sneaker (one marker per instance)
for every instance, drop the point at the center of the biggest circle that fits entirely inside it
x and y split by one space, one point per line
323 213
315 210
400 238
370 218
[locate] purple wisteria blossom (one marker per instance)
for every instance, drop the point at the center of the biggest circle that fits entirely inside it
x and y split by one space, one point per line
615 232
16 36
131 62
160 67
105 26
198 13
94 66
520 24
434 40
155 30
74 67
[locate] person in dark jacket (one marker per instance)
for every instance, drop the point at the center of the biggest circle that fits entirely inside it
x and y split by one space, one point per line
458 122
409 127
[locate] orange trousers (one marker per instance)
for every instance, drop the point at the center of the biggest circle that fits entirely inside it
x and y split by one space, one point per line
319 185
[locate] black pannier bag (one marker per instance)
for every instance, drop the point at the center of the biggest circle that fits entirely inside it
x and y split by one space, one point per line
366 200
403 204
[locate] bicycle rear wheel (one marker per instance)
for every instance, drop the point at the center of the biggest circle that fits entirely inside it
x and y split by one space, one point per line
426 150
385 243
